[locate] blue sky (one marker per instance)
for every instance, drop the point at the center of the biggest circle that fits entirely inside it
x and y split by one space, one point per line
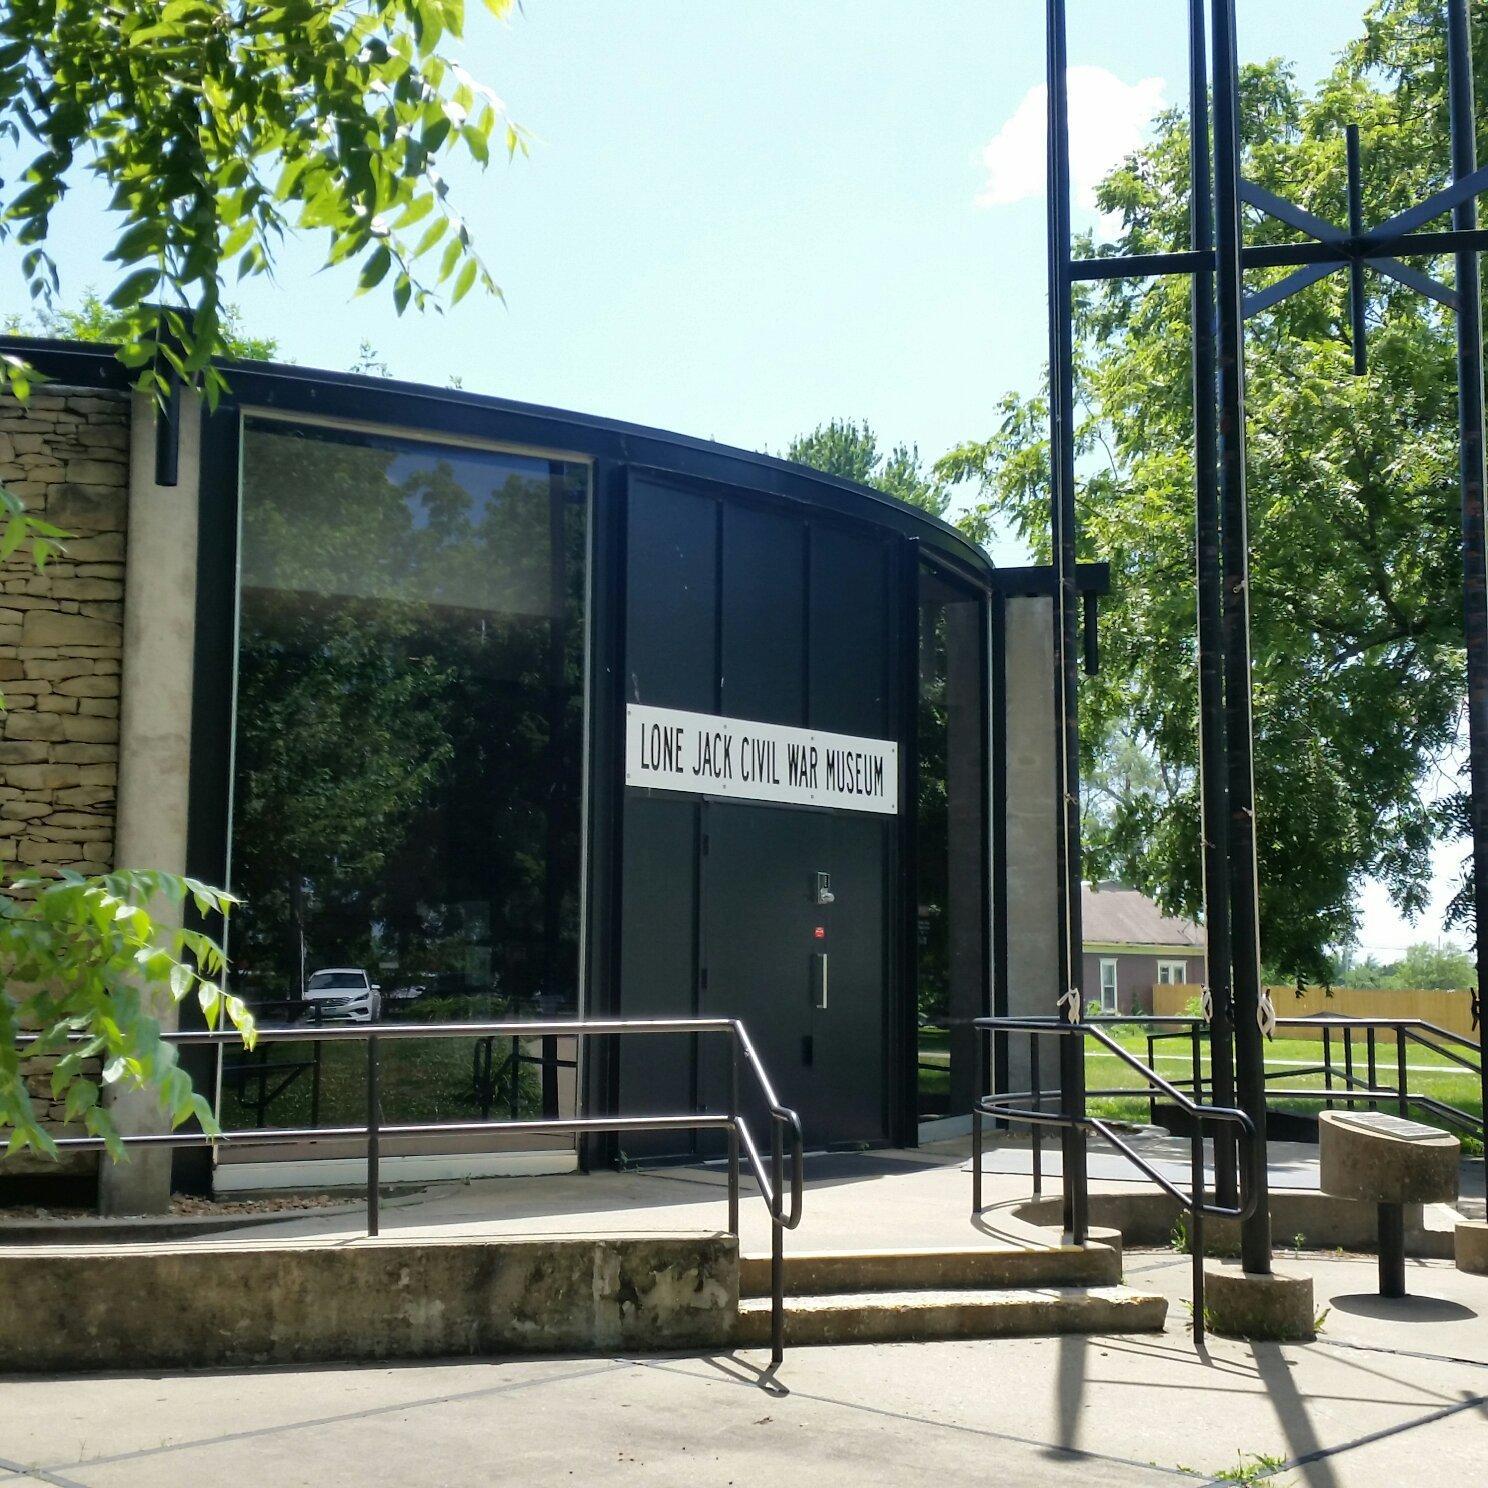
738 221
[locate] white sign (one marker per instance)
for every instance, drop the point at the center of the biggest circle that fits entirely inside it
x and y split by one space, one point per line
702 754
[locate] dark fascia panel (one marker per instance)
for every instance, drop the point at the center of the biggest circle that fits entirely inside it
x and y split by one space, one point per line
471 415
1038 580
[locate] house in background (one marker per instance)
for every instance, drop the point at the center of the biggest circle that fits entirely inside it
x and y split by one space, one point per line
1132 946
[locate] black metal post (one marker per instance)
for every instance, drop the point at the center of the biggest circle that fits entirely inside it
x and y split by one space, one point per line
374 1141
1213 789
733 1137
1196 1229
1358 331
978 1090
1348 1064
1066 627
1245 947
1400 1063
1391 1250
1036 1135
777 1245
549 1047
1470 476
1369 1045
315 1072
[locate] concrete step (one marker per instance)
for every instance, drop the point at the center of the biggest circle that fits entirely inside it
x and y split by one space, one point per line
985 1266
997 1312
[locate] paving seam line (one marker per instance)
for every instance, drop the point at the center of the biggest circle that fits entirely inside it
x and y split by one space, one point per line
1082 1454
14 1472
1385 1432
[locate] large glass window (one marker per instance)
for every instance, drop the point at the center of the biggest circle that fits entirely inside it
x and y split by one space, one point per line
950 839
407 754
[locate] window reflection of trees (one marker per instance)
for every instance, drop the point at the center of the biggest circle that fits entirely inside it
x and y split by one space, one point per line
931 834
409 726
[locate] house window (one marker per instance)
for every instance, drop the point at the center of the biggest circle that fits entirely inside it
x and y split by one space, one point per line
1108 984
1171 973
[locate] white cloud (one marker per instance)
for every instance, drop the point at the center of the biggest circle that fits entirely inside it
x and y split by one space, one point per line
1108 119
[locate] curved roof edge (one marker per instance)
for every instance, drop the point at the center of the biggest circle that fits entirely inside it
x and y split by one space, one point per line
454 410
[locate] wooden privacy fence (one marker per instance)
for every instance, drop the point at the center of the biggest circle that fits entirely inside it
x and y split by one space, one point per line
1452 1010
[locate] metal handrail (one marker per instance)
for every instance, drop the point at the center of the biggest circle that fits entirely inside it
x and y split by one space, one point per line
785 1124
1351 1088
1002 1108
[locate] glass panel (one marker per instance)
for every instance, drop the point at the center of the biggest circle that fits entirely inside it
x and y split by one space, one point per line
951 868
407 760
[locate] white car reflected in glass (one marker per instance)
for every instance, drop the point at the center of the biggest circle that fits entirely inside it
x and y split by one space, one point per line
343 993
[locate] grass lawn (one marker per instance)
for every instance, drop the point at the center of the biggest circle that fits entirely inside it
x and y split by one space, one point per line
1427 1074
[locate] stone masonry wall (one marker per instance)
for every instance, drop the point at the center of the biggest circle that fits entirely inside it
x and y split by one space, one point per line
65 453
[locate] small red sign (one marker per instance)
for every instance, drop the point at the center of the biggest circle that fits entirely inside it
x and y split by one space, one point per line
821 932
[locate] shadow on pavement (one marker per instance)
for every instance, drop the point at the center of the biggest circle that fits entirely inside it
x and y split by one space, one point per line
1411 1309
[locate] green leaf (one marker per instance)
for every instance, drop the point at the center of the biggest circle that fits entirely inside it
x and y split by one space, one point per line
466 280
379 261
134 287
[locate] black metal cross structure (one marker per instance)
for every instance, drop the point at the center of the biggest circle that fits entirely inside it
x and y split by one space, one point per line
1217 260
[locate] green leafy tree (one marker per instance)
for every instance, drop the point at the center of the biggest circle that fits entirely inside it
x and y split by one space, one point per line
86 956
851 451
95 320
1444 967
1356 579
220 129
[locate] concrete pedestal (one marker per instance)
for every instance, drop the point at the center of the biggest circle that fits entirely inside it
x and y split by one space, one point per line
1472 1246
1372 1155
1243 1304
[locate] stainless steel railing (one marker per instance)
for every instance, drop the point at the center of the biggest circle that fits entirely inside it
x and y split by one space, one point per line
1027 1107
785 1124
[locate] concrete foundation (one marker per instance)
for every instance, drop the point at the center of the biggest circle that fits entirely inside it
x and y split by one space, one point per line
1242 1304
173 1307
1300 1219
1472 1246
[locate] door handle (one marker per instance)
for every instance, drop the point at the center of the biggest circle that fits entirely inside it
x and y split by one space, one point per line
819 980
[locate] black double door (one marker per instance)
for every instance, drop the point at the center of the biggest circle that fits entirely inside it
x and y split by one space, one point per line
791 939
759 611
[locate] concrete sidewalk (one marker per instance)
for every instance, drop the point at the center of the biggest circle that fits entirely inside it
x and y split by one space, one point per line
871 1200
1392 1394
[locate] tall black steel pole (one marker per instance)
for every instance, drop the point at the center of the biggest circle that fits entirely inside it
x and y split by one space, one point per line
1470 474
1066 620
1245 947
1210 618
